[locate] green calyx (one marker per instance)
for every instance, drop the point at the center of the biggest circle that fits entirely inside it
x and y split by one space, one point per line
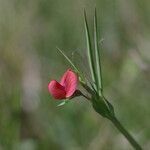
102 106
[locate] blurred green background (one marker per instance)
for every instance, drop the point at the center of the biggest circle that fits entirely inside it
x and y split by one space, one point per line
30 30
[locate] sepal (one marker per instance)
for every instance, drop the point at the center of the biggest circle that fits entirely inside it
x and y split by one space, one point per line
102 106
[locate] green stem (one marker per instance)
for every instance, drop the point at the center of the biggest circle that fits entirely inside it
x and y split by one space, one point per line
119 126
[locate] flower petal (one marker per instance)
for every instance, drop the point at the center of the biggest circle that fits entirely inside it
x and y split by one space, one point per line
69 81
56 90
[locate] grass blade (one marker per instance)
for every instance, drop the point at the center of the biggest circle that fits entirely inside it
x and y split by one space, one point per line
89 51
97 55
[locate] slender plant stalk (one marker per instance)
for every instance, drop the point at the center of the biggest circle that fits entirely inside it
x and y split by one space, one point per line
120 127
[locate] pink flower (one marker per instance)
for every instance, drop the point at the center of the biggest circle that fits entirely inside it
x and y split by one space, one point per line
66 87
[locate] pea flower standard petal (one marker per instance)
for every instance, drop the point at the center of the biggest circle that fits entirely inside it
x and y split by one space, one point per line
66 88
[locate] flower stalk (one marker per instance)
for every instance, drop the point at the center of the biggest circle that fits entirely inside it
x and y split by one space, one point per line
67 87
128 136
105 109
99 102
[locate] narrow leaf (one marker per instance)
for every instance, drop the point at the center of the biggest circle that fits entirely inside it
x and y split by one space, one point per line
67 58
81 76
97 55
89 50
